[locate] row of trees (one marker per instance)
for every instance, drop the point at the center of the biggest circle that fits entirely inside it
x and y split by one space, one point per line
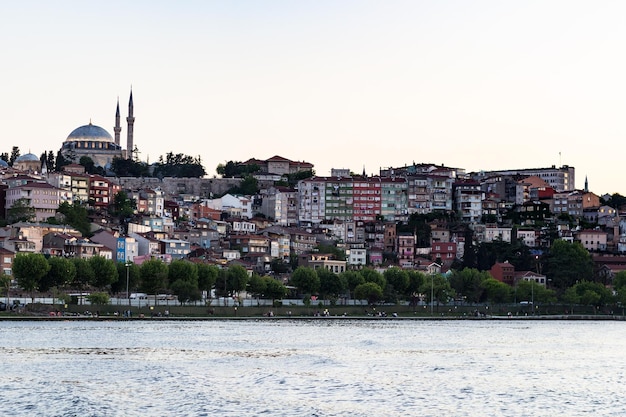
393 285
186 280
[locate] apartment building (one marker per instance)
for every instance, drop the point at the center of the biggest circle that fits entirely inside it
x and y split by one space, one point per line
468 198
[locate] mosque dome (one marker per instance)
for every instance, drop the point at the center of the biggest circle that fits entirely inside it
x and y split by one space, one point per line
29 157
89 132
3 164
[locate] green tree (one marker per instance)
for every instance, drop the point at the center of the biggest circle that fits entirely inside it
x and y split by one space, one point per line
180 269
123 206
5 284
104 272
207 276
333 250
589 293
88 163
153 274
567 263
50 161
371 275
369 291
398 278
237 278
306 280
15 153
29 269
98 298
84 273
531 291
331 284
274 290
438 286
134 278
353 279
186 291
496 292
76 216
61 273
257 286
21 211
416 280
468 282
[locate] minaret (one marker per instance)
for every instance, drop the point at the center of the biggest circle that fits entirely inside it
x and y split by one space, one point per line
130 120
586 185
117 129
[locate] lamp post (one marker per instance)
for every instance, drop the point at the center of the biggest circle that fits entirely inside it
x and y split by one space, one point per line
127 265
432 292
532 295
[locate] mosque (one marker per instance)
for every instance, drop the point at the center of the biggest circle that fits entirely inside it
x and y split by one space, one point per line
98 144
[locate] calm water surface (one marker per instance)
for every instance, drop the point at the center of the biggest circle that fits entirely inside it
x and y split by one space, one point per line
313 368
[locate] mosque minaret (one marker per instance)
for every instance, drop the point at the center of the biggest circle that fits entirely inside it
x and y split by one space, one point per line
129 132
96 143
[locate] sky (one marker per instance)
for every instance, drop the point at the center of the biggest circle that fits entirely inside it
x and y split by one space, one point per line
363 85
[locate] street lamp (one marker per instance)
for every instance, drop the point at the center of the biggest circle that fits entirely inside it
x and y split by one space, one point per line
432 292
127 265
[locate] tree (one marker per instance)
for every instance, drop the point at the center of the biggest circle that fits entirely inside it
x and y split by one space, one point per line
589 293
134 278
61 161
21 211
89 164
153 274
370 275
331 284
123 208
84 273
186 291
76 216
274 289
353 279
567 263
439 287
98 298
28 269
183 276
207 276
468 282
50 161
496 292
279 266
15 153
104 272
62 271
306 280
182 269
398 278
369 291
257 286
416 280
5 284
237 278
337 253
531 291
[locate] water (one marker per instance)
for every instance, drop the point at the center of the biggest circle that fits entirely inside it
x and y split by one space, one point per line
319 368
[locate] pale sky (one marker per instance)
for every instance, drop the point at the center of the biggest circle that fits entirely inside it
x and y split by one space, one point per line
479 85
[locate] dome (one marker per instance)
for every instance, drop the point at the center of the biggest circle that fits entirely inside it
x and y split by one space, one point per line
29 157
89 132
3 164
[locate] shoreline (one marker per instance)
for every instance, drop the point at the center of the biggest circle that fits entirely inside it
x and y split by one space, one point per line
558 317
